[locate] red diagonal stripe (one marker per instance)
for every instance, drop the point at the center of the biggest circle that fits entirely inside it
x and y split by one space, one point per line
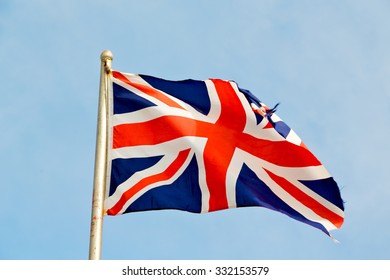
147 90
307 200
147 181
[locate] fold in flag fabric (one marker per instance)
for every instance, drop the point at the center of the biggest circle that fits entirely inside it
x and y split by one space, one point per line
203 146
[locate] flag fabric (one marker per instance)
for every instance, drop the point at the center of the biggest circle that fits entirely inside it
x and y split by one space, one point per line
203 146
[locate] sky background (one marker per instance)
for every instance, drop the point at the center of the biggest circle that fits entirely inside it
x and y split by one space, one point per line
327 62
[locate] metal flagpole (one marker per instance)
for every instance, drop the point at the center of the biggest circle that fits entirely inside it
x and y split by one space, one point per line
95 242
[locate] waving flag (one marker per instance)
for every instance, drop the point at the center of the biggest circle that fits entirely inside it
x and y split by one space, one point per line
203 146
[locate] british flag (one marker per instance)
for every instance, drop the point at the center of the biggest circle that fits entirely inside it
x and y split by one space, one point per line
202 146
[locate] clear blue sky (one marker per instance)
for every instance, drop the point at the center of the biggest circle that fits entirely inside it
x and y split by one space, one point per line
327 62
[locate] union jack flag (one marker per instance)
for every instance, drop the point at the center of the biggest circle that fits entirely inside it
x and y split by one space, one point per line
202 146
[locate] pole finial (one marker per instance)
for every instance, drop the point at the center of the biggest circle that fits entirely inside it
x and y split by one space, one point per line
106 54
106 58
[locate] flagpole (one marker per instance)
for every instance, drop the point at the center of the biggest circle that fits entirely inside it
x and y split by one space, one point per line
95 242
